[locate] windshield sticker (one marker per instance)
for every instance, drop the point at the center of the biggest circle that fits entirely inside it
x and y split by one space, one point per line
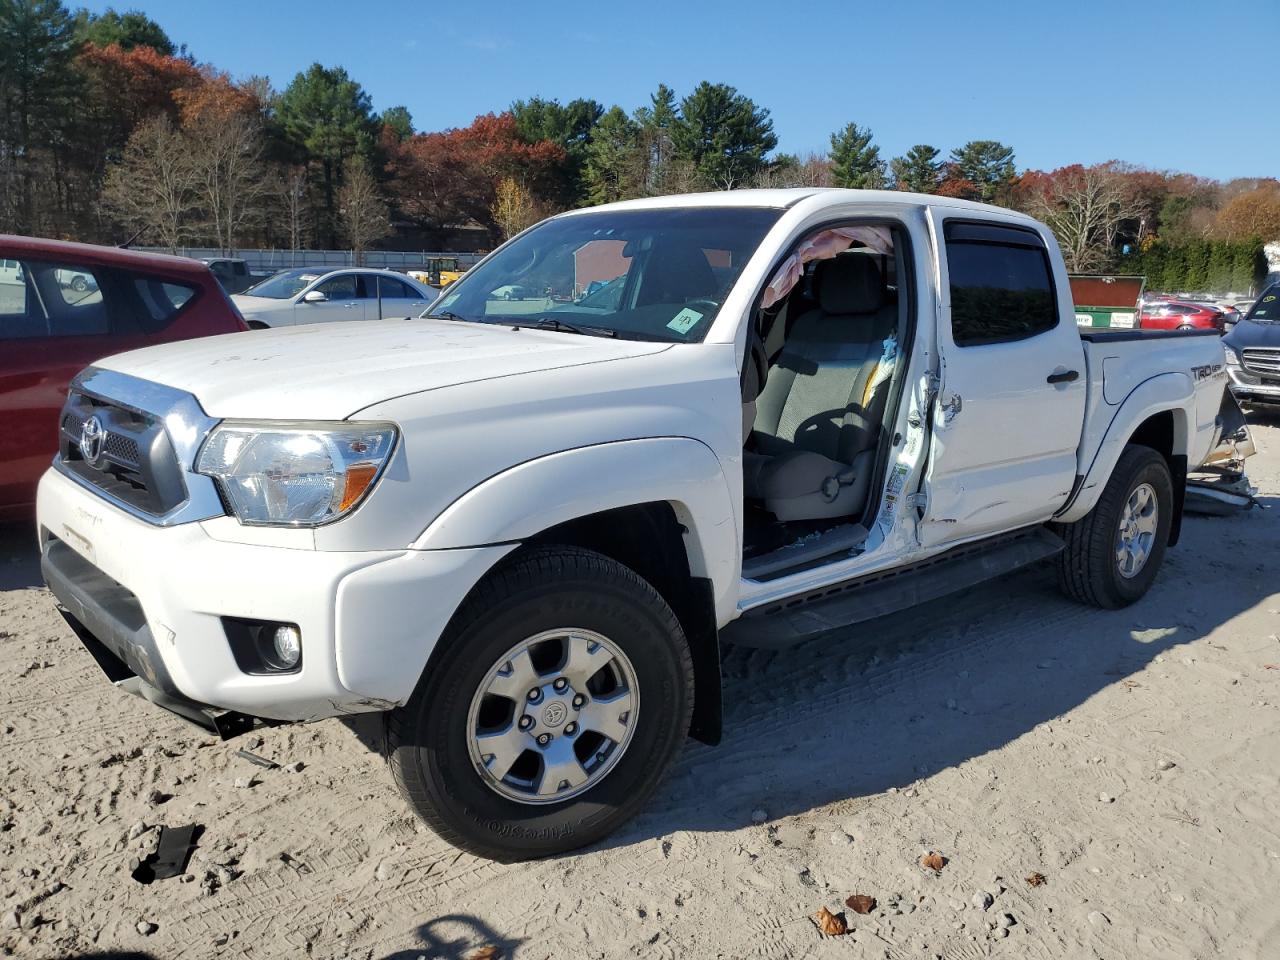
684 321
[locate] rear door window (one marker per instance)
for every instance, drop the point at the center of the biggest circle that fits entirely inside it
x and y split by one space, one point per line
341 287
1001 285
395 290
52 300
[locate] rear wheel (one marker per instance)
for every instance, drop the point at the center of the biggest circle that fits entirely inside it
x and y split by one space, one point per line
560 695
1114 552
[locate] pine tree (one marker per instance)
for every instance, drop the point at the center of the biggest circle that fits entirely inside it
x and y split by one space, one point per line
855 161
988 164
919 171
614 163
723 134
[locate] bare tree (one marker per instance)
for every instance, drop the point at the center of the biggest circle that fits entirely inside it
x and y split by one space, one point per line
1086 209
361 210
231 177
513 207
297 209
153 189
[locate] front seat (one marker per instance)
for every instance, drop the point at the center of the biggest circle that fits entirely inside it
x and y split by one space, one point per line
676 273
817 421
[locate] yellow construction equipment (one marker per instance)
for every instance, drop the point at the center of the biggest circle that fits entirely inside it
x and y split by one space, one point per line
439 272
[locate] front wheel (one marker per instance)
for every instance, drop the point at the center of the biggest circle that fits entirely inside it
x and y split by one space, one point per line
1114 552
560 694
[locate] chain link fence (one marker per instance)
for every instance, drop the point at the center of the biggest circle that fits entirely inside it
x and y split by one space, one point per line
266 261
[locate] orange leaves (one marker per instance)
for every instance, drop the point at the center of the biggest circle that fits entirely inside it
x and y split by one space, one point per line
831 924
933 861
1036 880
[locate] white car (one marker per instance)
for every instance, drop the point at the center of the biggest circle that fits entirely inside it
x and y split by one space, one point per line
524 535
309 295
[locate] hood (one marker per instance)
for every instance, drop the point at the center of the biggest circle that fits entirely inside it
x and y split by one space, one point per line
247 302
329 371
1254 333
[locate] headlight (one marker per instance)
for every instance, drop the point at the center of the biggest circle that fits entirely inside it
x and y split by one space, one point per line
1233 358
295 474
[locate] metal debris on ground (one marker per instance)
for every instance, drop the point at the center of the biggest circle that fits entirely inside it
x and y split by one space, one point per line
172 852
257 760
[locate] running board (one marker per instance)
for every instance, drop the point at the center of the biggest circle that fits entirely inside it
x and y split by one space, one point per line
796 619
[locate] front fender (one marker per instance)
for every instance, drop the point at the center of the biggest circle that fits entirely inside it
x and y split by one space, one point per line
521 502
1166 392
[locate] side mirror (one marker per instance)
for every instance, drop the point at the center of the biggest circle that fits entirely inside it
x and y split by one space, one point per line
314 296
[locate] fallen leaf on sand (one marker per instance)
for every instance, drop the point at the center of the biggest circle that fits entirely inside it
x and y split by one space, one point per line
861 903
933 861
1036 880
487 952
1271 666
831 924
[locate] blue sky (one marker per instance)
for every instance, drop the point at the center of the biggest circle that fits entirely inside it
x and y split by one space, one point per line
1170 84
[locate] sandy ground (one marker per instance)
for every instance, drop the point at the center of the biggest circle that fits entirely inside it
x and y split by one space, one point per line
1131 758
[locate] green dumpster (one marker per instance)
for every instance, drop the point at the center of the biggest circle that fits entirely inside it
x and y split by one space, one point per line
1106 301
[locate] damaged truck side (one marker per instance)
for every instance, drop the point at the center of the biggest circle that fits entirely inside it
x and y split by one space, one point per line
522 526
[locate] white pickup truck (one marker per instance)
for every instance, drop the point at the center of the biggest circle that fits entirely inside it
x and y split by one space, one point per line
522 526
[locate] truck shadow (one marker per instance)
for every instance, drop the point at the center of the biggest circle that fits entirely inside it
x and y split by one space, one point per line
19 557
899 699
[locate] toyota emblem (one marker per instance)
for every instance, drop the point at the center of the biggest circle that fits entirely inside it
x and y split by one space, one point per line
92 434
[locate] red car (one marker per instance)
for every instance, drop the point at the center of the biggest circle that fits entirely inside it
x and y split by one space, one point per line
1181 315
64 305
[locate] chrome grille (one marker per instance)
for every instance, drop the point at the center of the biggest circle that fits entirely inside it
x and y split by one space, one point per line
121 449
1264 361
134 463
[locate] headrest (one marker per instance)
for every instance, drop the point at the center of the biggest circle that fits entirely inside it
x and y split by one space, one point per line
849 284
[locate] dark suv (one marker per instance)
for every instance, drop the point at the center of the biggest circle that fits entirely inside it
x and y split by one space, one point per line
1253 351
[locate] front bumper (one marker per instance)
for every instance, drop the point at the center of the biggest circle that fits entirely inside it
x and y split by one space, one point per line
1250 388
155 598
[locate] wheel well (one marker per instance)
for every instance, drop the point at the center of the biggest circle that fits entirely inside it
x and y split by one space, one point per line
649 539
1158 432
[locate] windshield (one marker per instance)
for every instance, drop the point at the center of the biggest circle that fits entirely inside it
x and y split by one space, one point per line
1268 305
643 274
286 284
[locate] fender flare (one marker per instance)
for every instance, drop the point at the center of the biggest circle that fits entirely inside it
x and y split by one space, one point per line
1166 392
534 496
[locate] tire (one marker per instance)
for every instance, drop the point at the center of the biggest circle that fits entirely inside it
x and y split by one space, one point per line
431 740
1090 568
256 325
79 284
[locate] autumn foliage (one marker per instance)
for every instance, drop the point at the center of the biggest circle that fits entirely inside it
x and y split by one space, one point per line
451 177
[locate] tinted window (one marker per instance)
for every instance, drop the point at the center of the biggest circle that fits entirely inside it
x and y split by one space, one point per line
341 287
161 300
999 291
394 289
53 300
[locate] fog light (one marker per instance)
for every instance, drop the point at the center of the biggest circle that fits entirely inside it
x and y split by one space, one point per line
287 642
264 647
